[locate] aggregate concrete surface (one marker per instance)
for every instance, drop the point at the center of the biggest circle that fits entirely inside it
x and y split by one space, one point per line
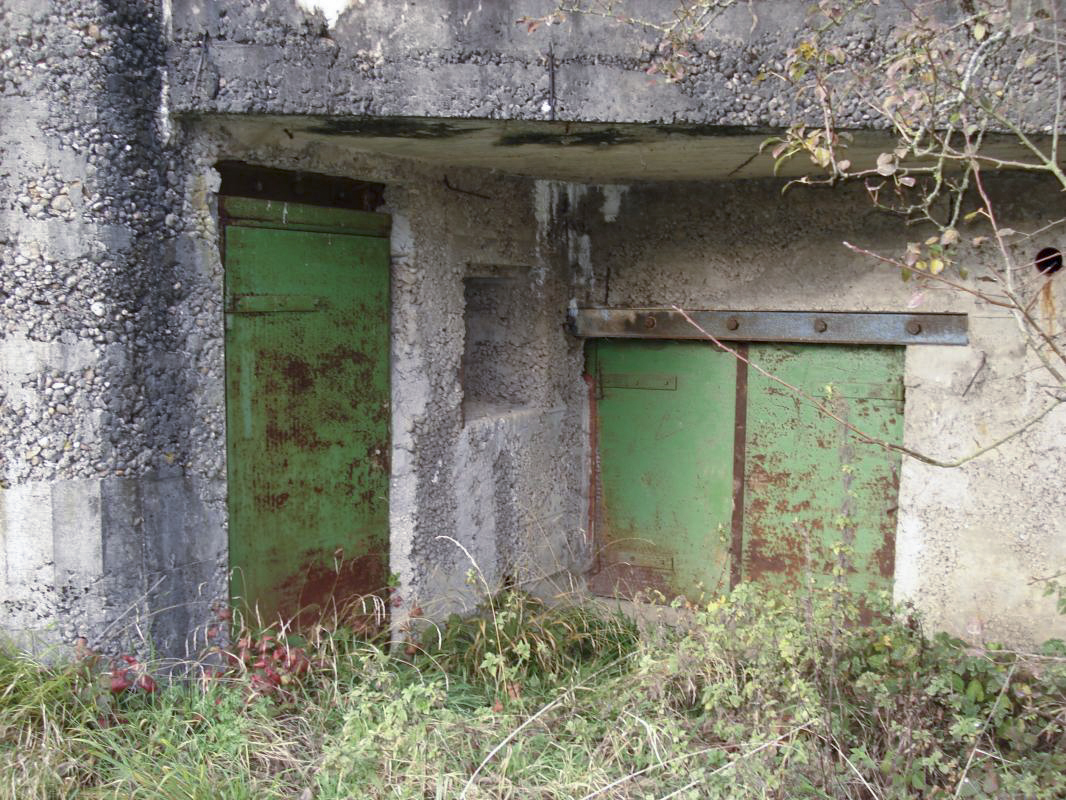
100 380
112 116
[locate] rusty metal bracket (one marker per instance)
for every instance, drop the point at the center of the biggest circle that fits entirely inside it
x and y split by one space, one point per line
824 327
274 303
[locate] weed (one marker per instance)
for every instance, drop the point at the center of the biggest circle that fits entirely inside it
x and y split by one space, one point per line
516 638
756 694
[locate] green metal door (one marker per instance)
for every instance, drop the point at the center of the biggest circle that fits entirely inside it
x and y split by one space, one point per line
307 406
818 501
663 417
707 473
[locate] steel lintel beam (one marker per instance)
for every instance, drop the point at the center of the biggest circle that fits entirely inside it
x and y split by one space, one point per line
826 327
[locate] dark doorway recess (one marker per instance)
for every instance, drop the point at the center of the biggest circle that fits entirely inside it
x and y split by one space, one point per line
263 183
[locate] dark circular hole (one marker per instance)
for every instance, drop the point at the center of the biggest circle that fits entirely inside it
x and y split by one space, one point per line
1048 261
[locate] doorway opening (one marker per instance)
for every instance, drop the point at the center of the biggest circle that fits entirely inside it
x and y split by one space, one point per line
307 396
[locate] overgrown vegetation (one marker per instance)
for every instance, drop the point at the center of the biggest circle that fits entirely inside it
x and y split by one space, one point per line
753 695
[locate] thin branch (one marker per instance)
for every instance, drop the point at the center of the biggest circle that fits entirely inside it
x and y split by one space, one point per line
1047 578
866 784
1011 304
1025 318
987 298
1058 85
571 691
724 767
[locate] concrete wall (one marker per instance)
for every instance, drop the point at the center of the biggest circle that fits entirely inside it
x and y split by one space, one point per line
112 415
971 540
470 59
484 429
109 506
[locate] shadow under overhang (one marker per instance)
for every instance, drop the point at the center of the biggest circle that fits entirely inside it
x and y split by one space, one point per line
586 152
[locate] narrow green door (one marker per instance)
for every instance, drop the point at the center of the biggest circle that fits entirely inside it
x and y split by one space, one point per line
663 417
818 501
706 472
307 406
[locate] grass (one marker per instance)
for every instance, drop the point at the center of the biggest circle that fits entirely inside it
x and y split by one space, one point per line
754 695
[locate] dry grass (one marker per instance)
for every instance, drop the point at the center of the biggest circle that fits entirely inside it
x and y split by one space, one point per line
752 696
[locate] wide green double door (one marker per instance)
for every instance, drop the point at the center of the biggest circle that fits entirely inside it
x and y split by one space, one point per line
707 472
307 406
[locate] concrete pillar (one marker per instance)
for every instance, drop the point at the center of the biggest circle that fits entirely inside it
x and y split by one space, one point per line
101 522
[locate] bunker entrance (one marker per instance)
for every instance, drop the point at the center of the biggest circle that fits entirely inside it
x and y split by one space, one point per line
307 408
707 471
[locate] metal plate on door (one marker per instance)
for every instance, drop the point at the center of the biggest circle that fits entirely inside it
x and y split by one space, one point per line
274 303
639 380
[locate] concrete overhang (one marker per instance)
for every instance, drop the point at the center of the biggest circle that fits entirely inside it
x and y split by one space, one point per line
587 152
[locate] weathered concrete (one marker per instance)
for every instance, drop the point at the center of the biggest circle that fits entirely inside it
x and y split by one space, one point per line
480 481
464 59
106 501
111 359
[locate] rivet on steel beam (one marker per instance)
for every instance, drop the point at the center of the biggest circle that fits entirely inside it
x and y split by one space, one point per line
649 321
732 323
914 327
821 325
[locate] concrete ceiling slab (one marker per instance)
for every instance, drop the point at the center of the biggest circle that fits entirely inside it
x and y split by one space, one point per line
584 152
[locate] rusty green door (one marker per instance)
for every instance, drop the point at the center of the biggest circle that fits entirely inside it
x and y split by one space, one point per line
307 406
663 417
818 501
794 494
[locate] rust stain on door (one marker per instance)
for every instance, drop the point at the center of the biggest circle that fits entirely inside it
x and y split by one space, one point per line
821 503
706 472
307 342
